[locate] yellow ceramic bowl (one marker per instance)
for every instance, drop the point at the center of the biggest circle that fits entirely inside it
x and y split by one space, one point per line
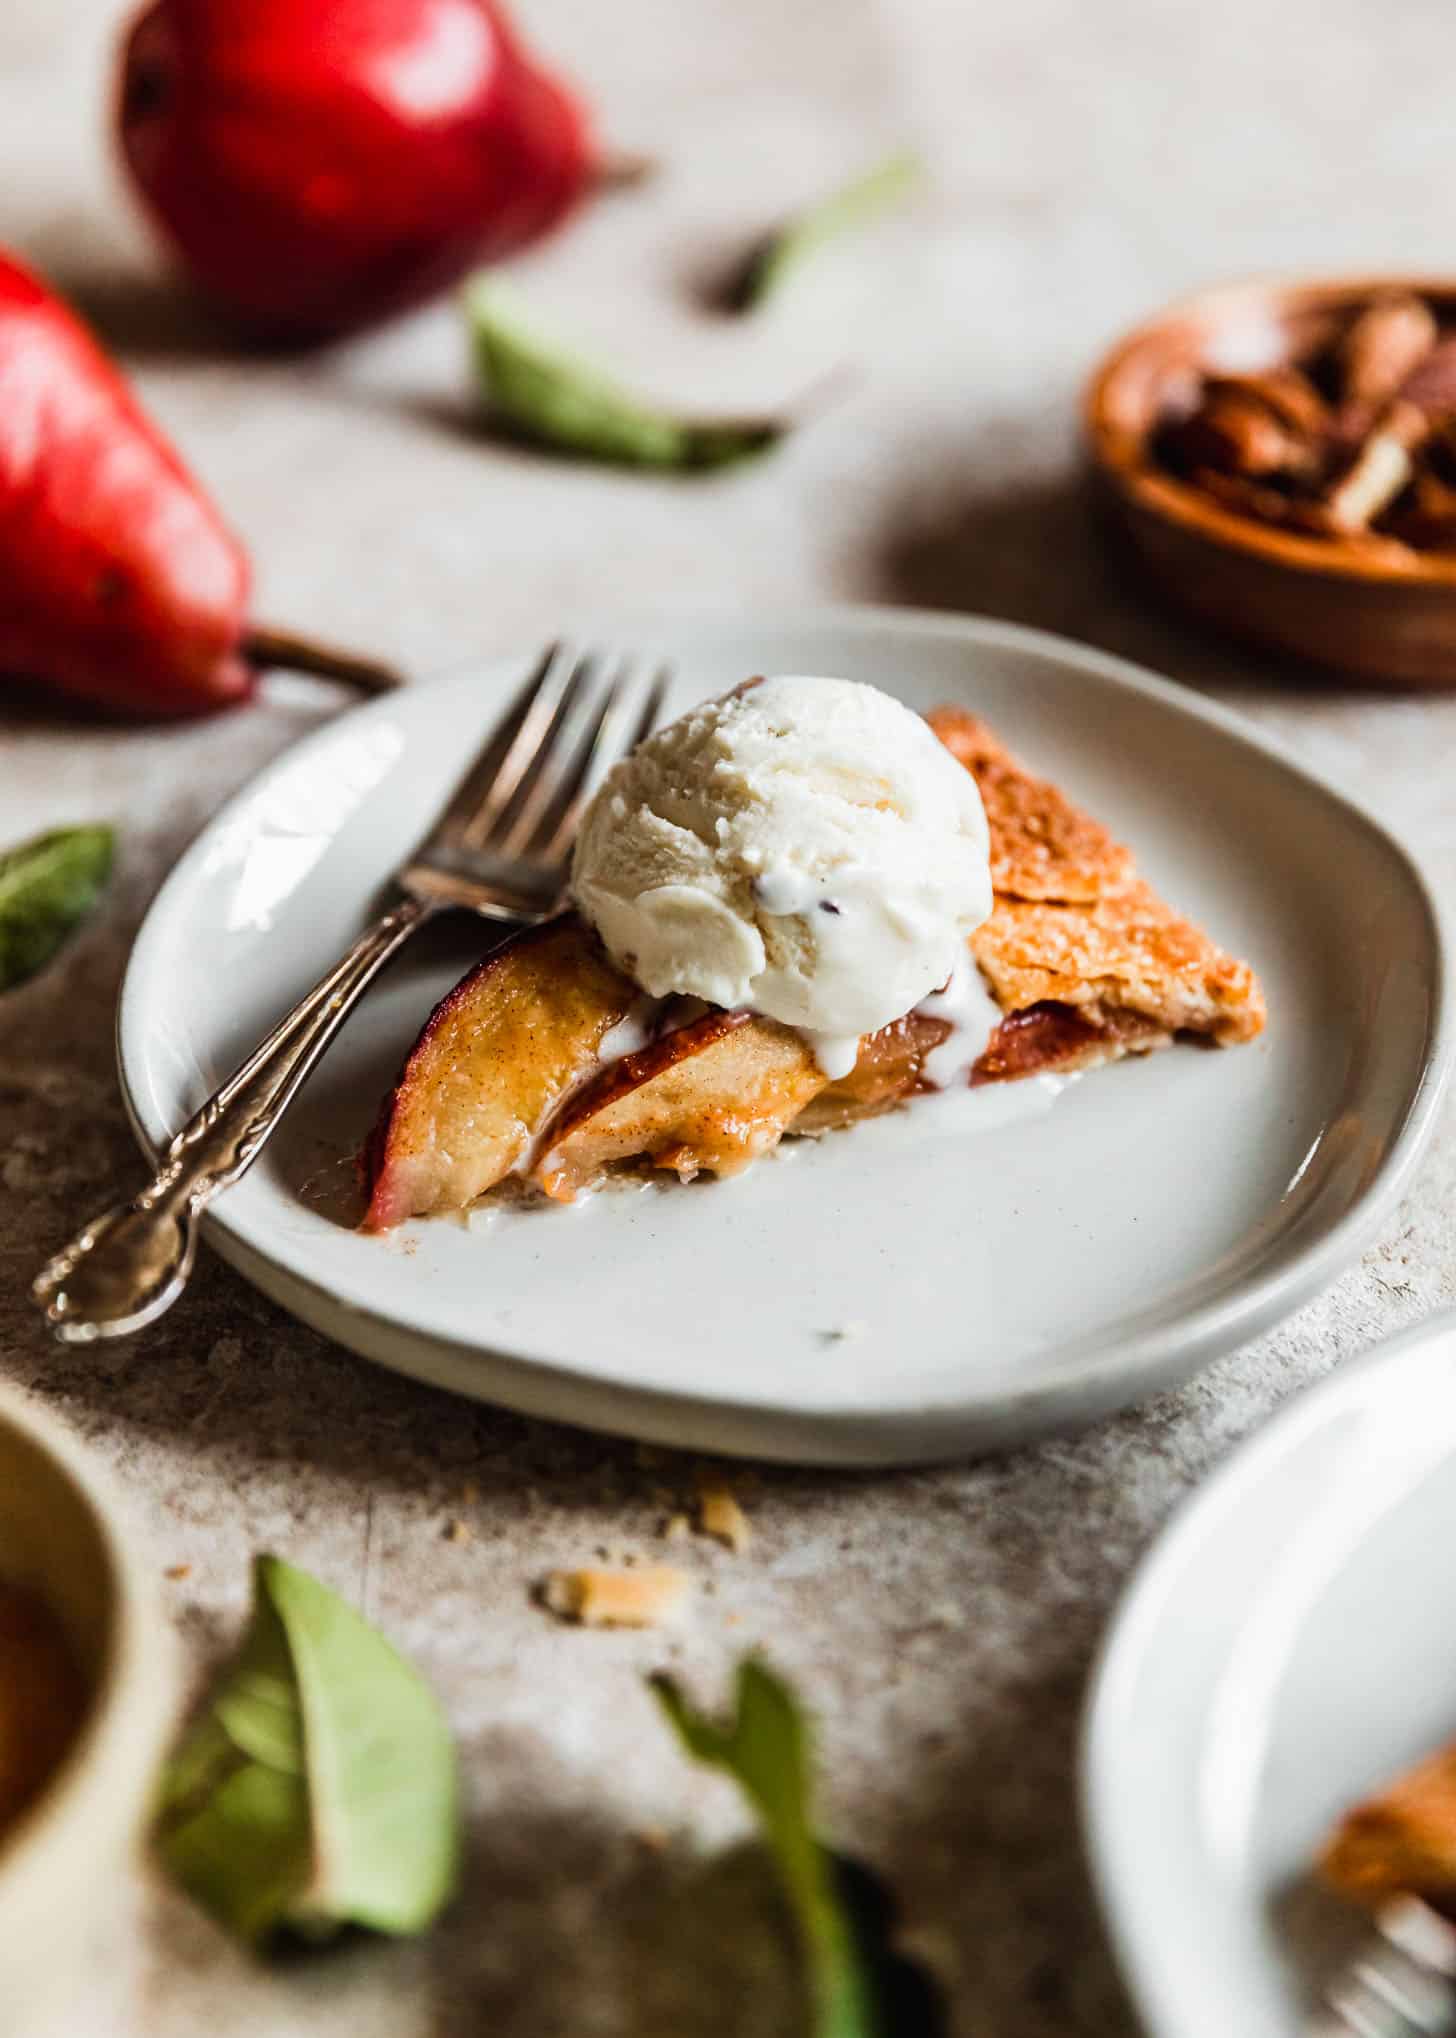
64 1881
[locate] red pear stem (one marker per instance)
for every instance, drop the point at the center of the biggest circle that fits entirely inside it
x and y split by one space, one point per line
827 390
624 170
266 648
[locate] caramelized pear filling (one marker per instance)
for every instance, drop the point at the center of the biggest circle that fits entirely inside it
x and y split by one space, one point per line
518 1072
1048 1038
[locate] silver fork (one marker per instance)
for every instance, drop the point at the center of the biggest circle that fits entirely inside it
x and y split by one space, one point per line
500 848
1400 1982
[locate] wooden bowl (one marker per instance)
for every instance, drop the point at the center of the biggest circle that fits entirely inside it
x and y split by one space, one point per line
64 1882
1386 617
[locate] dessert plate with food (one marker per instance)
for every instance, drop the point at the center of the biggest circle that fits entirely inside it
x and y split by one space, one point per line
823 1118
1269 1771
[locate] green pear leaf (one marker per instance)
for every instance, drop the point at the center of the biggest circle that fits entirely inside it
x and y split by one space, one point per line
543 393
47 887
318 1788
864 199
859 1986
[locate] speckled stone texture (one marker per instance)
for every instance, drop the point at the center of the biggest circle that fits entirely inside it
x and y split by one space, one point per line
1088 161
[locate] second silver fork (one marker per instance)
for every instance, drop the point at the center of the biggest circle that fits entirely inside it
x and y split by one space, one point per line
500 848
1401 1983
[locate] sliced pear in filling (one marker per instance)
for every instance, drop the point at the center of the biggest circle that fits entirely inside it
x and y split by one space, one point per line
889 1069
710 1098
496 1057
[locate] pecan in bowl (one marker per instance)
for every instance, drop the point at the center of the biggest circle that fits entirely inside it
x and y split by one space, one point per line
1282 458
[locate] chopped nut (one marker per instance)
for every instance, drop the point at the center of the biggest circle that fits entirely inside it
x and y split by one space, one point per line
177 1572
1433 384
1244 498
676 1529
1287 393
1440 448
459 1532
1382 468
1377 477
720 1515
1386 344
617 1599
1234 433
1428 517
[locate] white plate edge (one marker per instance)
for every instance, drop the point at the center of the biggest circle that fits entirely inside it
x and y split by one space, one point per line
1135 1618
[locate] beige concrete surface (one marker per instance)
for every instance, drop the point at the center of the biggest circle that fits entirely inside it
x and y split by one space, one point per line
1089 161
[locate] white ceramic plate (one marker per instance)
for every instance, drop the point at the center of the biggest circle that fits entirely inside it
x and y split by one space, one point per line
1288 1645
1039 1272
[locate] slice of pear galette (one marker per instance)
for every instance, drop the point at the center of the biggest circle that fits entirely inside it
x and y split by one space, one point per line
547 1067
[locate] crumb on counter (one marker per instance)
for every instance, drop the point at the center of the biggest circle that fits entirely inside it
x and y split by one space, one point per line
459 1531
617 1599
720 1516
177 1572
846 1333
676 1529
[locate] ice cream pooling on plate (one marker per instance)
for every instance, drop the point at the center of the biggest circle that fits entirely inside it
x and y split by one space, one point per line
804 847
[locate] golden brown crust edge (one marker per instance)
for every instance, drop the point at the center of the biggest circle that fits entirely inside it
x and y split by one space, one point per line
1074 924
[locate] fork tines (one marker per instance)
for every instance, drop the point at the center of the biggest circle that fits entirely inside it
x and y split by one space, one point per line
1400 1984
579 711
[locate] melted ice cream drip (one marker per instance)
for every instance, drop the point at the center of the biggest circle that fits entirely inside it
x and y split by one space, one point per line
782 891
974 1016
636 1029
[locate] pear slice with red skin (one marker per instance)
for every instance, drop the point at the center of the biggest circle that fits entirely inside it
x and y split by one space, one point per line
1041 1039
888 1070
710 1097
496 1057
516 1047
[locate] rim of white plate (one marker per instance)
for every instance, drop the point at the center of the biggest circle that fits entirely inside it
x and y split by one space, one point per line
1134 1624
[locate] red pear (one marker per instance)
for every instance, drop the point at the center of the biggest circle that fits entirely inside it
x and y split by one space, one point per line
323 164
119 582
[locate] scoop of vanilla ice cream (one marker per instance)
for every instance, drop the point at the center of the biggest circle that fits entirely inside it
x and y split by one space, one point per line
802 846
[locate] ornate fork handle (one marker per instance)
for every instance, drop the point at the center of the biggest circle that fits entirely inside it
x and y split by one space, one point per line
130 1264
